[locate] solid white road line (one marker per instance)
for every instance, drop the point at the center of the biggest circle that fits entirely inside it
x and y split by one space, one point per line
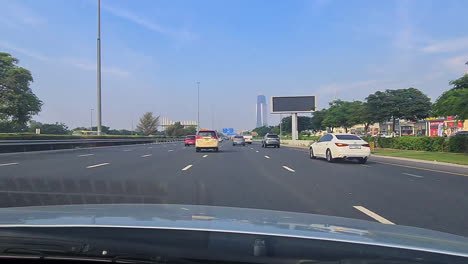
373 215
170 150
289 169
367 166
187 167
127 150
150 147
85 155
267 157
97 165
204 156
8 164
412 175
147 155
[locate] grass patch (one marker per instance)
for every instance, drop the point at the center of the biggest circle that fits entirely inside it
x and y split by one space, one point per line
457 158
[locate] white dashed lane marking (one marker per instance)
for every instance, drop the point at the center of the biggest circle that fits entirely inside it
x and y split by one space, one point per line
204 156
187 167
412 175
147 155
98 165
8 164
289 169
85 155
267 157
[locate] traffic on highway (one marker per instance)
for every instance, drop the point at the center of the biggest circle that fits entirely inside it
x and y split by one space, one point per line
234 132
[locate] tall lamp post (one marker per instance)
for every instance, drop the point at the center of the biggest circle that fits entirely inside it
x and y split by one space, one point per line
198 106
99 121
91 119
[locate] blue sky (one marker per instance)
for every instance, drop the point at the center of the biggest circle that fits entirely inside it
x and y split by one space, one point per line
153 53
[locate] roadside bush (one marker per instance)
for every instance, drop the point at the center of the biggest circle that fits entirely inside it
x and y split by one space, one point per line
419 143
458 144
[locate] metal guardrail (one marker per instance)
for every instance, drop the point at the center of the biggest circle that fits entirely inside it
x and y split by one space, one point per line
37 145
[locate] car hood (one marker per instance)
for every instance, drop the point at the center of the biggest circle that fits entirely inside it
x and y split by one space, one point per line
235 220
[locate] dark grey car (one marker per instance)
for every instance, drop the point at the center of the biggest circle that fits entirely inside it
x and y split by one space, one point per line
271 140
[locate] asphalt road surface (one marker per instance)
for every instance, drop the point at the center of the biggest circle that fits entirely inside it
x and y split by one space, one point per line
383 190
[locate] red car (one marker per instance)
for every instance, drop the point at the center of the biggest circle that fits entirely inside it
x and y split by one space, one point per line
189 140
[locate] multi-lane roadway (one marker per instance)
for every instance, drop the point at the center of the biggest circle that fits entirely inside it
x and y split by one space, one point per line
389 191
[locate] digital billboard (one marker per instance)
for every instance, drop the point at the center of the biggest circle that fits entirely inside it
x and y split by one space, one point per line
293 104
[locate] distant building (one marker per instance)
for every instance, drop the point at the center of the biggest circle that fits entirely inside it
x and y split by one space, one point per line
164 122
261 111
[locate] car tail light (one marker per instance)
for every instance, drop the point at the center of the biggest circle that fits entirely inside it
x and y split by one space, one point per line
198 137
365 145
341 144
215 137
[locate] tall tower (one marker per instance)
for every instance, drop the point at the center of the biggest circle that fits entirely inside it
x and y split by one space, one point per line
261 111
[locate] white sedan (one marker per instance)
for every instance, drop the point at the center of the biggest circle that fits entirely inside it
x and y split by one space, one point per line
340 146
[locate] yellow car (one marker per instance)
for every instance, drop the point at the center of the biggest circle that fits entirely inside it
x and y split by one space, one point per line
206 139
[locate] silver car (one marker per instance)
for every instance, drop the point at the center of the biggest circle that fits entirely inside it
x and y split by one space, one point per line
271 140
238 140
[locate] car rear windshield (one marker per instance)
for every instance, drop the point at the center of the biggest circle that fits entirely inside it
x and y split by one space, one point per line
238 137
272 136
190 137
347 137
206 134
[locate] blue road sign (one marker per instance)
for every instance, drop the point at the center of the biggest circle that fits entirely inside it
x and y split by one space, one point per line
229 131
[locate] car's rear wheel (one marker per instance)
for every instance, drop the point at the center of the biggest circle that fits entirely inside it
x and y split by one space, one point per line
216 149
329 156
311 154
263 145
197 149
278 146
362 160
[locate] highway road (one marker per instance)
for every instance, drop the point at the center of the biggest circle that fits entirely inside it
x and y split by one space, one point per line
383 190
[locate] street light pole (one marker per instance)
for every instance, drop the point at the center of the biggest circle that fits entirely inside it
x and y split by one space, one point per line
198 105
99 121
91 119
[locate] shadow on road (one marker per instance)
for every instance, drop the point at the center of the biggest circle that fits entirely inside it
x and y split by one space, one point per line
24 191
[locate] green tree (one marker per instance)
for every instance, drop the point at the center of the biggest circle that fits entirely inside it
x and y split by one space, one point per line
303 123
191 130
148 124
104 129
410 104
454 102
175 130
263 130
275 130
365 116
17 101
316 122
342 114
52 129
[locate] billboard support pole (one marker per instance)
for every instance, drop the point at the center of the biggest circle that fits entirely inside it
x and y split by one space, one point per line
294 134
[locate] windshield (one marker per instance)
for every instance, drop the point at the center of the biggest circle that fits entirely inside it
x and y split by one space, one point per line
206 134
350 109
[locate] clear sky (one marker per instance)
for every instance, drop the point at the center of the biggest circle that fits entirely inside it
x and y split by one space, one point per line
154 52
